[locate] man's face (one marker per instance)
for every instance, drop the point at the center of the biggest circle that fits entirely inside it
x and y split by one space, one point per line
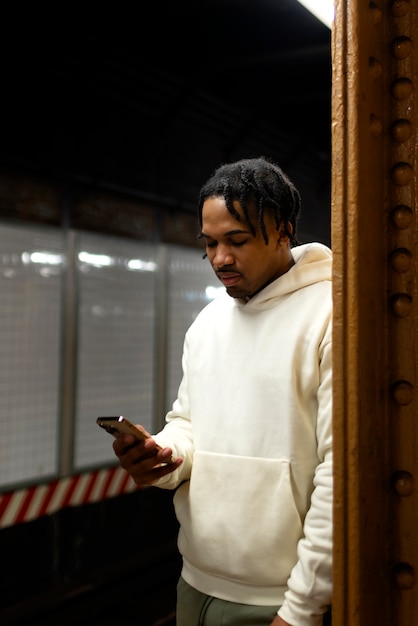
243 262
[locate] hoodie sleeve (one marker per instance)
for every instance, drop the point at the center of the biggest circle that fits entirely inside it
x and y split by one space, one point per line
177 433
310 582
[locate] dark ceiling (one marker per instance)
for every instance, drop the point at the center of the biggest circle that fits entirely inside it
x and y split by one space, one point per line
152 98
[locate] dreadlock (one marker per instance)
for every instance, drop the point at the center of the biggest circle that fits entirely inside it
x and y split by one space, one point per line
261 188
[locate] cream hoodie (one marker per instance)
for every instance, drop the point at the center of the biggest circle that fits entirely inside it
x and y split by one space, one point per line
252 422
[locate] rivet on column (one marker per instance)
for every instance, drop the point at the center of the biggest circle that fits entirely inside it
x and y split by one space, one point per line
401 216
376 126
375 68
403 483
401 130
375 13
402 173
402 88
401 47
404 575
399 8
402 392
401 304
400 260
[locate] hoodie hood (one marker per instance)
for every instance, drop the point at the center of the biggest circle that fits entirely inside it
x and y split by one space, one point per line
313 264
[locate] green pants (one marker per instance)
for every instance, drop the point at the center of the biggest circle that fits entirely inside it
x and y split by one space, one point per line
197 609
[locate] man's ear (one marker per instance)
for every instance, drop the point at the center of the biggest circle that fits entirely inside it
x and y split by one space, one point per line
283 233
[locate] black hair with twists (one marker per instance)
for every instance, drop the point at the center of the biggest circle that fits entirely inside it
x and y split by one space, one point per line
261 187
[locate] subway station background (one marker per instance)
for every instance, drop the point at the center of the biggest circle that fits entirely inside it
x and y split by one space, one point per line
112 119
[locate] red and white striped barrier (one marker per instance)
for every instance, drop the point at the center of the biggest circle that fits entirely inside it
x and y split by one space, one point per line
33 502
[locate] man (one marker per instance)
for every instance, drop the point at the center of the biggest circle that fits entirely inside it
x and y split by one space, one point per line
250 430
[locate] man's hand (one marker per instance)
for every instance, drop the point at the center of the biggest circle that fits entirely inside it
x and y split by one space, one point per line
278 621
144 461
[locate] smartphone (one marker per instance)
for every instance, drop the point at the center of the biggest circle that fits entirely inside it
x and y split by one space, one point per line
119 425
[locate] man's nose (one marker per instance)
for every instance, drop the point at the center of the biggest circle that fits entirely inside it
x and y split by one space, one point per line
223 256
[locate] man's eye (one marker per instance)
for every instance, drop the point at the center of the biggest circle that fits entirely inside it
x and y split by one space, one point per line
235 244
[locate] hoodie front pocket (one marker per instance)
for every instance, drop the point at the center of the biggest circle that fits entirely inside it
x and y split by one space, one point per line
239 520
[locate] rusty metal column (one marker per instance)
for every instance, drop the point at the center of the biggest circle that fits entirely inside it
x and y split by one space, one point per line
374 240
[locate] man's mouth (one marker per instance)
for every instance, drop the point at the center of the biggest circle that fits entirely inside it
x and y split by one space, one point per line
229 279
